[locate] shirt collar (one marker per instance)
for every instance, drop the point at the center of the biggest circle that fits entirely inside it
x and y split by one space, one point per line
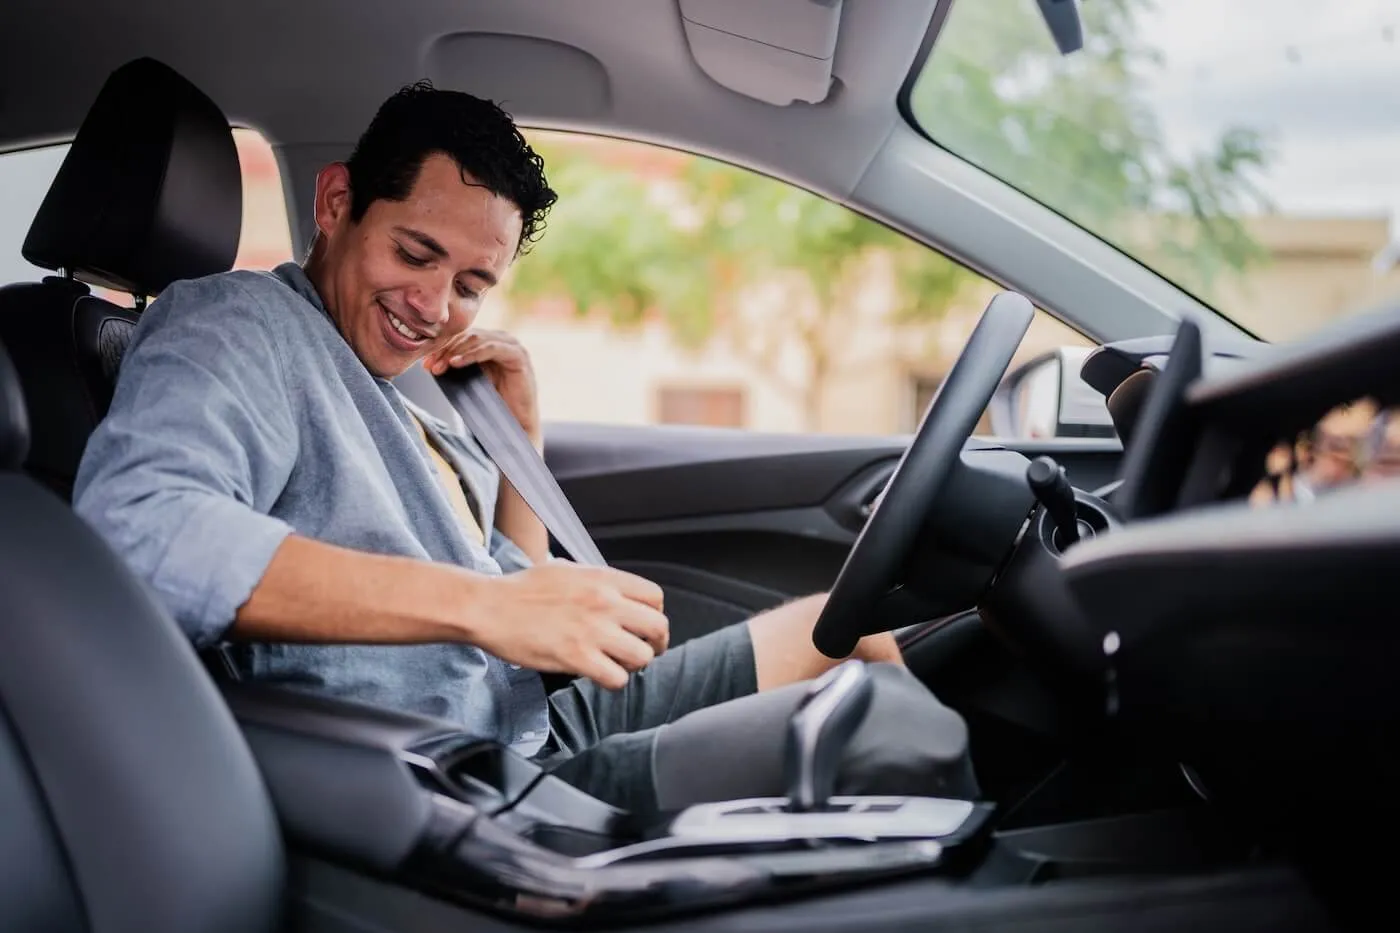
295 277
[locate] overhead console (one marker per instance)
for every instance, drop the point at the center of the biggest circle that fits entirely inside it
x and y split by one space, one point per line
779 52
1247 609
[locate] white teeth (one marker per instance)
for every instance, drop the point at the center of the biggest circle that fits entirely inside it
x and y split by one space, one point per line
403 328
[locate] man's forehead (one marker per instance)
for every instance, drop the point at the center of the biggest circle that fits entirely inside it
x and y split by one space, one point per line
450 207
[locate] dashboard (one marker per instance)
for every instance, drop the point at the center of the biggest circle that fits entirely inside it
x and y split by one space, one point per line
1355 439
1245 610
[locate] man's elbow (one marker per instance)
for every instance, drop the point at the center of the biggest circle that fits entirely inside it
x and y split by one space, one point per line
144 530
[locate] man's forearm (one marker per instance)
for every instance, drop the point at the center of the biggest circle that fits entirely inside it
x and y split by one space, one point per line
318 592
517 521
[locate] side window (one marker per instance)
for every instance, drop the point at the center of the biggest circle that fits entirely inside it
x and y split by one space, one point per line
673 289
266 237
25 176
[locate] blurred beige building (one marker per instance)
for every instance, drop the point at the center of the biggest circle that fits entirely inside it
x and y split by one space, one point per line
1319 268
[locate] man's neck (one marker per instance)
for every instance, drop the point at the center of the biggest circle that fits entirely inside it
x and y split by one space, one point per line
315 268
319 276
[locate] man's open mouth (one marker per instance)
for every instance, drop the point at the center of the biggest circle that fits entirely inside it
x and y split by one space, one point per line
401 329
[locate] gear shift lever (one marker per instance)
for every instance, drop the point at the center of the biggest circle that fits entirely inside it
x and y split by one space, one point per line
1051 487
819 733
819 729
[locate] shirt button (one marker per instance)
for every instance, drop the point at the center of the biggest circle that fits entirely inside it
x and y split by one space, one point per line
515 667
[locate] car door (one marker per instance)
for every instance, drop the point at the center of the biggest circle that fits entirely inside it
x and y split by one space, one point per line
731 522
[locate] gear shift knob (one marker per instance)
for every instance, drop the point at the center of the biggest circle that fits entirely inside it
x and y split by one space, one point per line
1051 487
819 730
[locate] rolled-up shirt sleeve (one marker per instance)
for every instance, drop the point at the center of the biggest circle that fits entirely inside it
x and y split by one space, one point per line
199 442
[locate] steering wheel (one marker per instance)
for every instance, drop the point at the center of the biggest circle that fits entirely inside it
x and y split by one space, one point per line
884 543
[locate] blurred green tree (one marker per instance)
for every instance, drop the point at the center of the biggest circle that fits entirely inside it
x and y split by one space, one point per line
1077 133
688 248
1073 132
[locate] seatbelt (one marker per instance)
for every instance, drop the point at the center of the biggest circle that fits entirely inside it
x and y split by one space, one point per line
484 412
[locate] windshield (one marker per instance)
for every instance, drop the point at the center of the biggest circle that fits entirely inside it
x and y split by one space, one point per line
1247 150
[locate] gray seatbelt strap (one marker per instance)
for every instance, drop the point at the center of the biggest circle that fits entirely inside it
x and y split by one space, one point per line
484 412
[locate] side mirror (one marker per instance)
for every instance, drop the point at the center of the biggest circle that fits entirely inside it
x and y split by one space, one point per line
1044 398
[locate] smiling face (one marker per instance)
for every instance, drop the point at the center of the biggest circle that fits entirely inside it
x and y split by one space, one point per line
410 275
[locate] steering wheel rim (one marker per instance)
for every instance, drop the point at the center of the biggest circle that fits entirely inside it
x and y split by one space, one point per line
884 543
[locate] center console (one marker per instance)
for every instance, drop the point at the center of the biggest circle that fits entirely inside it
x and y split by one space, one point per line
474 821
414 802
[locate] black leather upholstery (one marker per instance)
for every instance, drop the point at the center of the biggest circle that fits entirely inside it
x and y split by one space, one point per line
67 345
130 800
149 193
14 417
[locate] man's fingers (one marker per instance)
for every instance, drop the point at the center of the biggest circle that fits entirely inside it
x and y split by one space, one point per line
486 351
644 612
639 589
648 624
630 652
605 672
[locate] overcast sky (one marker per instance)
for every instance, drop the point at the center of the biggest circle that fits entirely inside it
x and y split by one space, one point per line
1321 78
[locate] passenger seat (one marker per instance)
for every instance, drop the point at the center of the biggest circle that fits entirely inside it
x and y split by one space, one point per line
149 193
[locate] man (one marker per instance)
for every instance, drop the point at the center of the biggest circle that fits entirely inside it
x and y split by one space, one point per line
262 472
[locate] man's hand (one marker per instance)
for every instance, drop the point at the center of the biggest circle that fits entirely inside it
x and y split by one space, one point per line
506 363
560 617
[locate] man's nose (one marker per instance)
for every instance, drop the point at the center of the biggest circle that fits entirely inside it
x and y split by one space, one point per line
432 303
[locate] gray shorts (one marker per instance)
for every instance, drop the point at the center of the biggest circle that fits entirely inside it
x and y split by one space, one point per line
691 728
603 742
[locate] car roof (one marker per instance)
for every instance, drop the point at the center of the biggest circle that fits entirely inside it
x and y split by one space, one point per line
313 72
309 75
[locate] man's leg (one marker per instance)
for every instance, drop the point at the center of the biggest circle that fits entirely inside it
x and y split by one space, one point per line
609 743
769 650
908 744
602 741
782 644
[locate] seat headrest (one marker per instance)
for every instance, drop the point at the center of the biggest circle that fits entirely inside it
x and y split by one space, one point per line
14 417
150 191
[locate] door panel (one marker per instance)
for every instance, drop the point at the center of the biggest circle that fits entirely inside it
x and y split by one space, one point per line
733 522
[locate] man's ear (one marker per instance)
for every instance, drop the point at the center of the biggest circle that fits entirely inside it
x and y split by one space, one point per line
332 197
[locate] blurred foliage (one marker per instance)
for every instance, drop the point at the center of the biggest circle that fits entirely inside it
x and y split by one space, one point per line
685 245
1075 132
614 245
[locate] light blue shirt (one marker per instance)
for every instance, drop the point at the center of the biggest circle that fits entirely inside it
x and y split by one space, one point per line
242 415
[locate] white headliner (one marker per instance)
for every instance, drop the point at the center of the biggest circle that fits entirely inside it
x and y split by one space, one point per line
310 73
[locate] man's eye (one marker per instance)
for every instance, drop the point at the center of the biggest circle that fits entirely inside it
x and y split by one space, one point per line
466 293
411 259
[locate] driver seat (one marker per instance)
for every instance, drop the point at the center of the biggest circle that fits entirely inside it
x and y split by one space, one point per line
149 192
130 799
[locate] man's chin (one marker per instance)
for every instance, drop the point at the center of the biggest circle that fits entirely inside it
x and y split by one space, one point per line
392 366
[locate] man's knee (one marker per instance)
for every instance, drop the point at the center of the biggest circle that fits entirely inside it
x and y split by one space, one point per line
909 743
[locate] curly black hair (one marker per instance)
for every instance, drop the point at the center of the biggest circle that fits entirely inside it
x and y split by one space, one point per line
421 120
